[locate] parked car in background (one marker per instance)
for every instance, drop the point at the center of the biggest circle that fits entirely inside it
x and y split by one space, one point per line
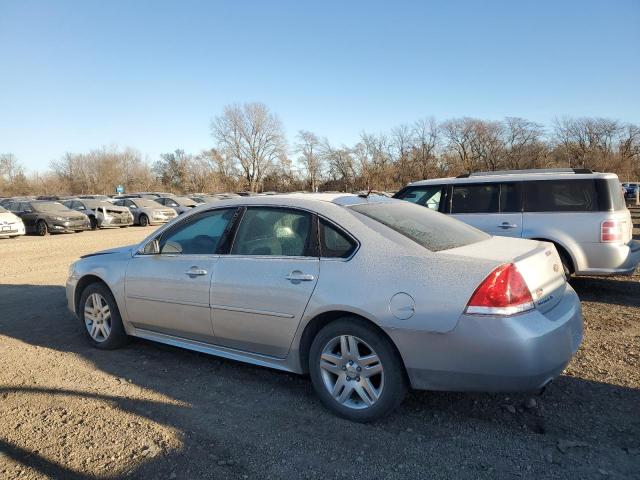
630 192
146 212
101 213
179 204
46 216
11 225
367 295
583 213
106 198
203 198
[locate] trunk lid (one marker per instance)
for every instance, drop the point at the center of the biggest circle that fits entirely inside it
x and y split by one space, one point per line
538 263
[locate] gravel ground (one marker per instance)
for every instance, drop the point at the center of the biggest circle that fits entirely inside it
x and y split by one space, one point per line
151 411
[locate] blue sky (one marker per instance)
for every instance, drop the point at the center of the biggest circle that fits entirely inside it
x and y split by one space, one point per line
151 75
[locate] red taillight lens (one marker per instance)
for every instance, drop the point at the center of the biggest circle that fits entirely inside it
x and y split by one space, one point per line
503 292
610 231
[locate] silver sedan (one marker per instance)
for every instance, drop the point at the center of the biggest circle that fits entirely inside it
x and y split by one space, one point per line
368 295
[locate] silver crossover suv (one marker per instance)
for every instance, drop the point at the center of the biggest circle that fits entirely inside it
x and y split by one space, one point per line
369 295
581 212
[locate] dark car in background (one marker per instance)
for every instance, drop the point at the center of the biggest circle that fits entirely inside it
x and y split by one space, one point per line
101 213
46 216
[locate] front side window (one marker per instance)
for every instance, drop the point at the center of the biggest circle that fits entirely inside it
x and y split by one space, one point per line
480 198
200 236
427 196
434 231
273 231
334 243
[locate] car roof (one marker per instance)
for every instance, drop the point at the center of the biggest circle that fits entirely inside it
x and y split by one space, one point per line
516 176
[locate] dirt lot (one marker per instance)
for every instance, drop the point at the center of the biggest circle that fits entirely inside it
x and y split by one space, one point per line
151 411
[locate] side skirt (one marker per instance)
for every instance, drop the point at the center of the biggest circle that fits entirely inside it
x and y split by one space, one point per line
224 352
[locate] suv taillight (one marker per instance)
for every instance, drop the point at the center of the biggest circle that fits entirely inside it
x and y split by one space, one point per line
611 231
503 292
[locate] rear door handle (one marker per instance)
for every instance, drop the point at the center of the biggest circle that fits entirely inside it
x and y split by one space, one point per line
195 271
298 276
507 225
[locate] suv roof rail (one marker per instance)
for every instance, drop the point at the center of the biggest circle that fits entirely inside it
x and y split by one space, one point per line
548 171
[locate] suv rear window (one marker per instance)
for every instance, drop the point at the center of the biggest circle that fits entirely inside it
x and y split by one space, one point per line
432 230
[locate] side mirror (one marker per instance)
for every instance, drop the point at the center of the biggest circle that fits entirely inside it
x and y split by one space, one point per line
151 248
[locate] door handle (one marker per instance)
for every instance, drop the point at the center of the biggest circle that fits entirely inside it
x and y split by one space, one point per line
507 225
298 276
195 271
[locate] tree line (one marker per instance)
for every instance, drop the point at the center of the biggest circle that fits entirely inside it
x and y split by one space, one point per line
251 152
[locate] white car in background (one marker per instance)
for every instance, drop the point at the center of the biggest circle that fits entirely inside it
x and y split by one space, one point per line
11 225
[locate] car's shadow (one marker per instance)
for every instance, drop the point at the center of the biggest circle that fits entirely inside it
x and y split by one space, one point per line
232 416
623 291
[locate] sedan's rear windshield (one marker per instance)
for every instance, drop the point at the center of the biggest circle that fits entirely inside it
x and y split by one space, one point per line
432 230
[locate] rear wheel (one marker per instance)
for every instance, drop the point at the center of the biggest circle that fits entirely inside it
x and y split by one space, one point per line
41 228
356 371
100 316
144 220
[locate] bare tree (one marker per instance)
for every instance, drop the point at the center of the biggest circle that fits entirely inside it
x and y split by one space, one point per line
308 147
252 136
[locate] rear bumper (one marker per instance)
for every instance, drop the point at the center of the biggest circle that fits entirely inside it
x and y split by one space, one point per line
610 259
490 354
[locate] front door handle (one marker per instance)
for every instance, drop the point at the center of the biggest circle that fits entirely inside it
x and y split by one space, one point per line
298 276
195 271
507 225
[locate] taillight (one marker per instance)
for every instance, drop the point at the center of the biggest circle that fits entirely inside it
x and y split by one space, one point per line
503 292
611 231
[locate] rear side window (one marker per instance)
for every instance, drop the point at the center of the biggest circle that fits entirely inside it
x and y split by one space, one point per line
480 198
273 231
434 231
615 194
427 195
561 196
334 243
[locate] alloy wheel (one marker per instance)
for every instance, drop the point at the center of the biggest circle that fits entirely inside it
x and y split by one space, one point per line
97 317
352 372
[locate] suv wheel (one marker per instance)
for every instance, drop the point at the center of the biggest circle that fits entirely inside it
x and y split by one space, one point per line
356 371
41 228
100 316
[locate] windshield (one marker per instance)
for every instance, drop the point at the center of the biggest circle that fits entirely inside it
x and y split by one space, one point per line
432 230
184 201
48 206
145 202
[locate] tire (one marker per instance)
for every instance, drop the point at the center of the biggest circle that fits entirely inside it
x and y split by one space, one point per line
144 220
384 388
41 228
567 264
93 223
109 332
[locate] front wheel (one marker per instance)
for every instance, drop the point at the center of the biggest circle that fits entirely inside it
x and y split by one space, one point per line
144 220
356 371
41 228
93 221
100 316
